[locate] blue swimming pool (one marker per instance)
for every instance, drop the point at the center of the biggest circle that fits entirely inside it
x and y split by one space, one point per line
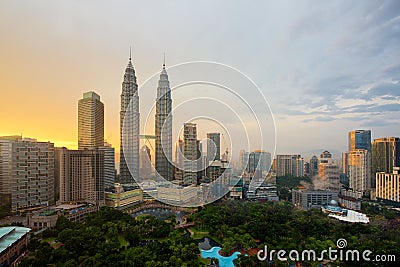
223 261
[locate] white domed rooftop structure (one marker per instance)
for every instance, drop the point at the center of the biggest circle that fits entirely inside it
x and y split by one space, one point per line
333 203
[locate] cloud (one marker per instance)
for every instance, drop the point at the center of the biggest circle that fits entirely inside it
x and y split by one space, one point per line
383 89
376 123
320 119
347 76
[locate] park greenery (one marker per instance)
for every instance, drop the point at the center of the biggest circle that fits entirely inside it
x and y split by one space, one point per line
240 225
113 238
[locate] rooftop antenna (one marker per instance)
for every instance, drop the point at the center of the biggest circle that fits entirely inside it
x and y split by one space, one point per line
130 53
164 61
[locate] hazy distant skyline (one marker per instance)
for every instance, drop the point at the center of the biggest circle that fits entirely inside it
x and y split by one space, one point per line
326 67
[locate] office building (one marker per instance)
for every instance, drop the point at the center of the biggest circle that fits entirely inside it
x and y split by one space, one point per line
90 121
242 160
109 164
258 160
27 173
236 188
314 166
190 153
217 169
129 127
306 169
385 154
313 199
289 165
388 187
261 190
81 175
6 143
123 197
350 199
47 217
360 139
200 171
345 163
283 165
298 166
329 174
179 157
163 128
325 155
213 146
178 195
359 167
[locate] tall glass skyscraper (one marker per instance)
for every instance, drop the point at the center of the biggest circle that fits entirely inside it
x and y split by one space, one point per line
129 127
360 139
163 128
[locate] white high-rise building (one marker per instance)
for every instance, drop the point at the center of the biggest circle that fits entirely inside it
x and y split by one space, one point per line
27 172
163 128
129 127
388 187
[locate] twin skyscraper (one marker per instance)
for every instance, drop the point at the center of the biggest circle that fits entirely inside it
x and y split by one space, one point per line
130 127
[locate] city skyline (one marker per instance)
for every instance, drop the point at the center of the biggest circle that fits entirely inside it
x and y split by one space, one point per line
355 86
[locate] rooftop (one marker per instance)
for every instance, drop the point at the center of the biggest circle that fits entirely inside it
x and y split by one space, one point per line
351 216
9 235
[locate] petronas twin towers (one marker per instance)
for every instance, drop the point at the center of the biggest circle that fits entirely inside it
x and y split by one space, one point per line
130 122
129 127
163 127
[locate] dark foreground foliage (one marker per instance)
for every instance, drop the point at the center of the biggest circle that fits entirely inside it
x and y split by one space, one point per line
112 238
238 224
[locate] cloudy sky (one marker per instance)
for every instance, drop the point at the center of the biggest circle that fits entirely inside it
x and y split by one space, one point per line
325 67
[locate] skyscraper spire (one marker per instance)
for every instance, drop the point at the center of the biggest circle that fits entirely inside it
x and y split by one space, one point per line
164 61
130 53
